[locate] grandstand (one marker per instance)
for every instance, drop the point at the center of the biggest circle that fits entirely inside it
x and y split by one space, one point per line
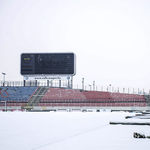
49 98
60 67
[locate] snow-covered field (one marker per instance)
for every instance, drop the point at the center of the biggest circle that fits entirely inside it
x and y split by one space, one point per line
69 131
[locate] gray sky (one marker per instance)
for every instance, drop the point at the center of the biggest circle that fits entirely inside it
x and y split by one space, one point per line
109 37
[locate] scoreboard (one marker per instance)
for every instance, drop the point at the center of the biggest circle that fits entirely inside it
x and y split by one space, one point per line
48 64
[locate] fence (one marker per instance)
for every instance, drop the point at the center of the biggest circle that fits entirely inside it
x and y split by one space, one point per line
68 84
52 83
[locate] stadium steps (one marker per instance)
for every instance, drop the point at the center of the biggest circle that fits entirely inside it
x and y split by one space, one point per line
147 98
37 96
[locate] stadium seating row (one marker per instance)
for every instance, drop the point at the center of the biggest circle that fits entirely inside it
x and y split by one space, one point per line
92 101
93 104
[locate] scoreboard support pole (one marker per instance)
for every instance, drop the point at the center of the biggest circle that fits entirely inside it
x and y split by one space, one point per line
48 83
51 83
24 82
71 82
59 83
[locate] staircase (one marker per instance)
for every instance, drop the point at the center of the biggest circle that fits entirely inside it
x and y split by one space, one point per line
37 96
147 98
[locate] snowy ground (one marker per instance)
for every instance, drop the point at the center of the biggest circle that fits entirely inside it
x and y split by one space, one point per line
69 131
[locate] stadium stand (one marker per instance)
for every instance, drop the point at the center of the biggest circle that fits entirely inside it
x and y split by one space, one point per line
62 97
70 97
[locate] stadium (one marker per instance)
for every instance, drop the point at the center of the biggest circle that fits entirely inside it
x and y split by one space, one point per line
74 75
56 93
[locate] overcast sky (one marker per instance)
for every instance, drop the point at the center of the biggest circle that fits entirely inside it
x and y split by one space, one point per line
111 38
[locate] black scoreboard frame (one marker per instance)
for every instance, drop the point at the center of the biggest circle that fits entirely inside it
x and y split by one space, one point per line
48 64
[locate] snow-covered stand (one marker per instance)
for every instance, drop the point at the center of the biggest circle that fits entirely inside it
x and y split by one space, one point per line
54 98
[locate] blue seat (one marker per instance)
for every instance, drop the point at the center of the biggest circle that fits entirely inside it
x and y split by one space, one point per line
16 93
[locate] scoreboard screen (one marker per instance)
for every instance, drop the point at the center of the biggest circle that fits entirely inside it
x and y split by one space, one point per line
48 63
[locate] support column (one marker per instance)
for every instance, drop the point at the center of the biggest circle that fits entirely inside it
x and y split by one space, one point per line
59 83
24 82
35 83
51 83
71 82
48 83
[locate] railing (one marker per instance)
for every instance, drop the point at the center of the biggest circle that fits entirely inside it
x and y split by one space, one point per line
53 83
11 83
66 84
137 100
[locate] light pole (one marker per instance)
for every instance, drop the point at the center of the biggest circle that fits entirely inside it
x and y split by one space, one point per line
123 90
90 87
82 83
110 87
3 78
93 85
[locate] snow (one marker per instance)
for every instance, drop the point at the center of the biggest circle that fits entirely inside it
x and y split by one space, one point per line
70 131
